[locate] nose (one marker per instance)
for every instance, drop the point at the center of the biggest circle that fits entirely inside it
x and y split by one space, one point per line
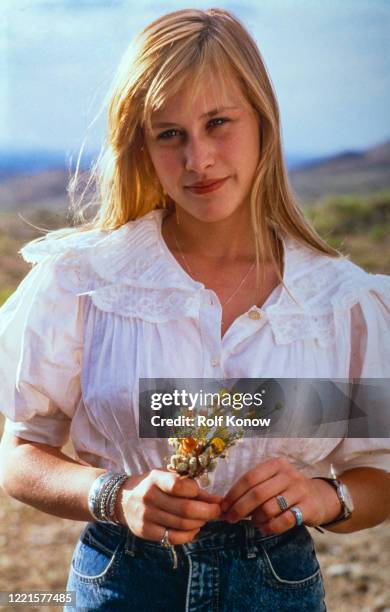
198 155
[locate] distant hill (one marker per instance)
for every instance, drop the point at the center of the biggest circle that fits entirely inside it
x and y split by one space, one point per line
37 181
350 172
41 190
14 163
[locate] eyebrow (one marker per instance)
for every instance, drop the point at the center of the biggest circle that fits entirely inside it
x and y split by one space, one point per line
211 113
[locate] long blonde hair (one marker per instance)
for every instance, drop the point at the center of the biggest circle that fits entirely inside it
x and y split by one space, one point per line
173 51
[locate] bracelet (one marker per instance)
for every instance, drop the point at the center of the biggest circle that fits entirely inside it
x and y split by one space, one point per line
109 496
109 488
94 494
103 494
111 500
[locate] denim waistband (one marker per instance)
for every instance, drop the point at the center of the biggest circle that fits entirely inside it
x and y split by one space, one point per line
213 536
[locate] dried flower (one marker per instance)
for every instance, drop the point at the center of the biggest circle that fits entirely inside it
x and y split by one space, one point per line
218 444
197 448
187 445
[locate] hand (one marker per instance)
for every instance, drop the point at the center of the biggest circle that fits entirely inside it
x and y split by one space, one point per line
256 491
162 500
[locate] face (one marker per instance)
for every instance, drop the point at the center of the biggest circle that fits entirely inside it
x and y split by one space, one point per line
205 150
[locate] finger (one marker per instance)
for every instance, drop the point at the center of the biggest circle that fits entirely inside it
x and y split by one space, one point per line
257 496
181 537
155 532
173 484
209 497
260 473
186 508
172 520
286 520
270 509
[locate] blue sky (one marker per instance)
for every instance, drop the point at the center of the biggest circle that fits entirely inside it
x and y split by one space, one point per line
329 61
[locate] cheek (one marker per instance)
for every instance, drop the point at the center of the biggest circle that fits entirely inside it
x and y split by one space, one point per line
166 164
242 151
250 150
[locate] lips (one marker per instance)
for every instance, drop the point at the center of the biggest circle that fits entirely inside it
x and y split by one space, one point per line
207 186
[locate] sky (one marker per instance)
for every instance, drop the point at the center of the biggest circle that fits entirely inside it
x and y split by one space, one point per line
329 61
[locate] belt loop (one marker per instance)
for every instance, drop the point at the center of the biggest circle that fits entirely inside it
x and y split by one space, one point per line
130 543
251 549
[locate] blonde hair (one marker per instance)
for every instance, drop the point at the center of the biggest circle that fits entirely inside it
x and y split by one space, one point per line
174 50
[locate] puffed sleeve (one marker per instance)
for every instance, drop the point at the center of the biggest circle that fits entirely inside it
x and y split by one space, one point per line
40 355
369 349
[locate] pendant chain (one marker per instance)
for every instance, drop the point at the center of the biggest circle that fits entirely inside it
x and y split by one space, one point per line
193 276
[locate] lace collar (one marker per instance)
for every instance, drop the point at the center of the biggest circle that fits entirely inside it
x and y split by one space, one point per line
137 255
105 264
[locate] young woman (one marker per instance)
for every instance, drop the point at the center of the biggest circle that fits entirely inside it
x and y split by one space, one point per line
198 264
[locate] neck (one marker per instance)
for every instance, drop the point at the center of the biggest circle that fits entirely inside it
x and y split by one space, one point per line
228 239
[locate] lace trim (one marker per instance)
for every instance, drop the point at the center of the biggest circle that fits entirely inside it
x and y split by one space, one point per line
289 327
146 304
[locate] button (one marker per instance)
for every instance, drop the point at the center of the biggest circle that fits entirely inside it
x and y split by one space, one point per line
255 315
215 363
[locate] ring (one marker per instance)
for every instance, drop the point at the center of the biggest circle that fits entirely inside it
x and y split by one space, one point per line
165 539
298 515
282 502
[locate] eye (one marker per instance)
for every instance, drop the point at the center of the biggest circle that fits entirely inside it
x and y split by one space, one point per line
167 135
218 121
172 133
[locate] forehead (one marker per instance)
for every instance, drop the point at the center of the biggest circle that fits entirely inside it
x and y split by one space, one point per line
196 97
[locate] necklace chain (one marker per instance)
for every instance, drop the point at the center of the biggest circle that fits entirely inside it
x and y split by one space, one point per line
192 274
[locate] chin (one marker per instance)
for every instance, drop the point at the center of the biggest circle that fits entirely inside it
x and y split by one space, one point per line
210 212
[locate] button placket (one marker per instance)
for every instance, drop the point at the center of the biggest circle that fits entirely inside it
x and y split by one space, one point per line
242 328
210 322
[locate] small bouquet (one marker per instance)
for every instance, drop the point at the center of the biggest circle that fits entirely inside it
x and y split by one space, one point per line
198 448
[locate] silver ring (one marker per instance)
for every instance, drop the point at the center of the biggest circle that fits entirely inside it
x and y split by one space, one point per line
298 515
282 503
165 539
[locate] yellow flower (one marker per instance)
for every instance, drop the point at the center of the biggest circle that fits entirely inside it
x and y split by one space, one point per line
223 391
218 444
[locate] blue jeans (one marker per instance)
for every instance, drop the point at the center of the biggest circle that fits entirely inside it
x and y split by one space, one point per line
228 568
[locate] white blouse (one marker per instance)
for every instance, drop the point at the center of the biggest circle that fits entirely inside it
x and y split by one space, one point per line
100 310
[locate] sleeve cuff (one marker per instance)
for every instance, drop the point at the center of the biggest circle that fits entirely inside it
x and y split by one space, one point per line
373 459
43 429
